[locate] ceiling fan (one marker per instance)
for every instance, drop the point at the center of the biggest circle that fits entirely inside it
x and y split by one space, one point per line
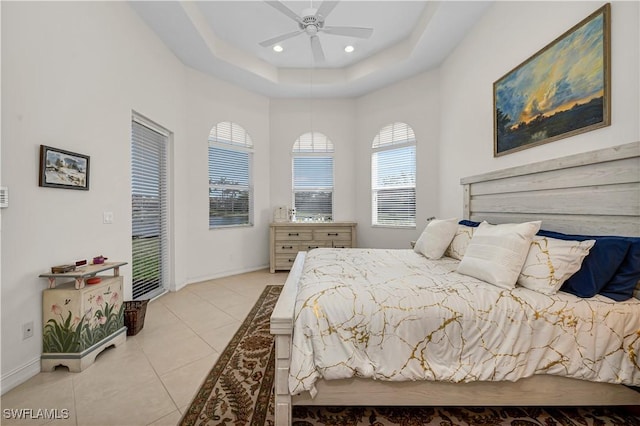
311 22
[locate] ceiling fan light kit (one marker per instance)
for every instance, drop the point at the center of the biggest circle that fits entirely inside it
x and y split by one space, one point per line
312 23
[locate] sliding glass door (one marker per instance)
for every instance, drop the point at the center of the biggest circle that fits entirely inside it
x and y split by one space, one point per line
149 236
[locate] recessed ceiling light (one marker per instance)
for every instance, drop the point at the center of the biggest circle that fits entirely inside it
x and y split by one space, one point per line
278 48
349 49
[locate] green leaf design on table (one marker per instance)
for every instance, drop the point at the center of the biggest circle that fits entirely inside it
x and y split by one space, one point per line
65 336
62 336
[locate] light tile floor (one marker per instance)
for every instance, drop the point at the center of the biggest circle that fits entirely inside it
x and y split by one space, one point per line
151 379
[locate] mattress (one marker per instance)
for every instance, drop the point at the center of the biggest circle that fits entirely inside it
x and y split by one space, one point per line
395 315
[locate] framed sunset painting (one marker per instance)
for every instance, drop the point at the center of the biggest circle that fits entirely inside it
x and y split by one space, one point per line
561 91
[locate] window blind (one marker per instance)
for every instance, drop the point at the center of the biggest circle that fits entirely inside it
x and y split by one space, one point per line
230 183
313 142
394 134
230 133
313 187
393 176
313 177
149 209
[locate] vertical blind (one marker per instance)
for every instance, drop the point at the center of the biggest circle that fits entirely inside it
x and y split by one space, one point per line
230 183
393 176
313 177
149 209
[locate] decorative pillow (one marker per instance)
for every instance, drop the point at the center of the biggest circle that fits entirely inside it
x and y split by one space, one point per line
436 237
625 281
496 253
460 241
551 262
470 223
598 268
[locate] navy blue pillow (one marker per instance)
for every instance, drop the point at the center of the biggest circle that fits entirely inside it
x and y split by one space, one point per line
621 286
469 223
599 267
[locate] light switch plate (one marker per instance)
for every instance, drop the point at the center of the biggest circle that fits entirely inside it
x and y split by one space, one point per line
107 218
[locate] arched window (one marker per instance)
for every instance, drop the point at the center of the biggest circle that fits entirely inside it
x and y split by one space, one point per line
393 176
312 163
230 180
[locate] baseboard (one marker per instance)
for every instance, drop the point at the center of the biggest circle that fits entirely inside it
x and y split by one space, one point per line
19 375
221 275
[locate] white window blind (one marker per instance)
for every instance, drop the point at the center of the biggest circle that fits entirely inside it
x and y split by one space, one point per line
313 142
313 177
230 182
393 176
149 209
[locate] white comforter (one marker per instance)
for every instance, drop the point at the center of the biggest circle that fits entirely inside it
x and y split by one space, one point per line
395 315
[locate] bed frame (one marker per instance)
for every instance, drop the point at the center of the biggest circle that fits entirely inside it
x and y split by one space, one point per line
595 193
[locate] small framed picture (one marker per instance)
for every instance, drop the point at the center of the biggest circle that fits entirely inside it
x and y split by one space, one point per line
63 169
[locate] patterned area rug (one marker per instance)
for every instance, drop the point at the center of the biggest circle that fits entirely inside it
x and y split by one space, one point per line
238 391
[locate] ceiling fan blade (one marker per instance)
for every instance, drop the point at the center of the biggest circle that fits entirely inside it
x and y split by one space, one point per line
326 7
349 31
278 39
316 48
284 9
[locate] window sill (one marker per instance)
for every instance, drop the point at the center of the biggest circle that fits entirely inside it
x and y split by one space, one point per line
213 228
395 226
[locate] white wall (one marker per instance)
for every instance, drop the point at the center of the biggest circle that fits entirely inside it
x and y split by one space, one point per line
290 118
221 252
72 73
352 124
414 101
508 34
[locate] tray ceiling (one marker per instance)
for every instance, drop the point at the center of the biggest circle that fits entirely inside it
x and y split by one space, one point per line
222 38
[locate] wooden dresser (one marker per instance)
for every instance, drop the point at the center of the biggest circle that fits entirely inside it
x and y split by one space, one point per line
288 238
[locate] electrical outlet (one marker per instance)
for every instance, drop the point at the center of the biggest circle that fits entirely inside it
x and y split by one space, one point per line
27 330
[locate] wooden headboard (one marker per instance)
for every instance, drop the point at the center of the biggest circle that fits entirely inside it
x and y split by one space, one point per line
593 193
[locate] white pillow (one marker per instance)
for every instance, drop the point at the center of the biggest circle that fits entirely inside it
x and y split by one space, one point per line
551 262
460 241
436 237
496 253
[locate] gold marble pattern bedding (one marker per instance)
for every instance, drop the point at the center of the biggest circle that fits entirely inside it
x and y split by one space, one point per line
395 315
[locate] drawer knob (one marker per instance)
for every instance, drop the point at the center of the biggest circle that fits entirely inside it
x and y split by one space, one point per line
287 247
293 234
330 234
312 247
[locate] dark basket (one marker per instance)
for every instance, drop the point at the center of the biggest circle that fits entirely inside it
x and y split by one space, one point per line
134 312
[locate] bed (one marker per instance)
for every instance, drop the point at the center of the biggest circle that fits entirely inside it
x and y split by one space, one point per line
594 193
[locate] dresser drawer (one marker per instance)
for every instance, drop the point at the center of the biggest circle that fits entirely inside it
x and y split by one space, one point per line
332 234
293 234
310 245
342 244
285 261
287 246
287 239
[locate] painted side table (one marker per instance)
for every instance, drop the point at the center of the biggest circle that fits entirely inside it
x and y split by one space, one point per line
80 320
